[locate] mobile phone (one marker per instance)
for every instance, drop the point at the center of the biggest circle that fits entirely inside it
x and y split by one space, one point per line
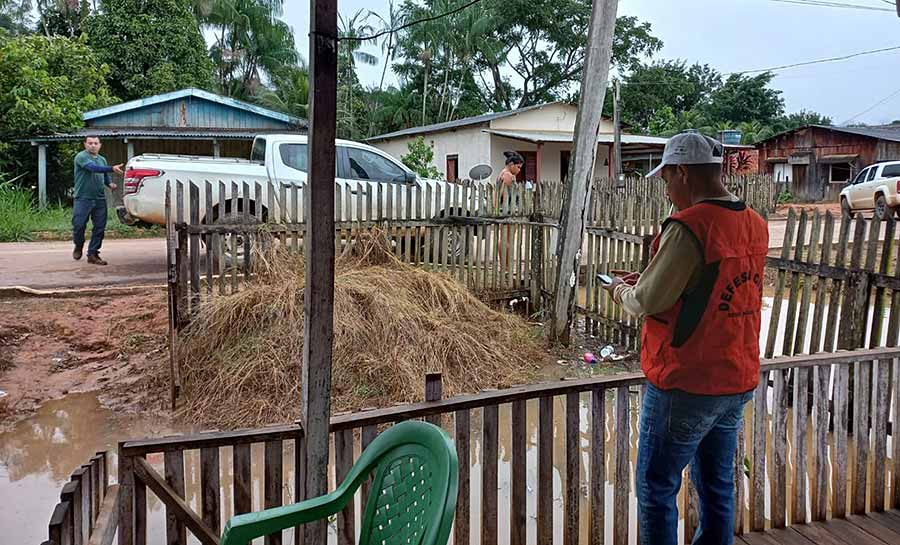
605 279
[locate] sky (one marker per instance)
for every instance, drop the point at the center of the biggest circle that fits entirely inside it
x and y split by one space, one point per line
737 35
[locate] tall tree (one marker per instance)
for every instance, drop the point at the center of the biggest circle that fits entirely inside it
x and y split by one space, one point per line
250 42
15 16
350 104
746 98
288 91
165 50
388 42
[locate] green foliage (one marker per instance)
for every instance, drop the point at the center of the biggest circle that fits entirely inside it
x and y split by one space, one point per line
15 17
785 197
151 47
746 98
287 92
419 159
250 42
16 212
46 84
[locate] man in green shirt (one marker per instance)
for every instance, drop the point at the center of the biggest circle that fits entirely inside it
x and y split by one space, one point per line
92 176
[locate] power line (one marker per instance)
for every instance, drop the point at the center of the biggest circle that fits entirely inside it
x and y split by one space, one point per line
821 3
409 24
873 106
818 61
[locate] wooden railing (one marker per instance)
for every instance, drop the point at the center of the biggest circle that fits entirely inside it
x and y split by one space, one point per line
584 432
87 510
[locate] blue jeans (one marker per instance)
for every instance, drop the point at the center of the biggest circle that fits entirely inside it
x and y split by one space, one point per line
95 209
678 428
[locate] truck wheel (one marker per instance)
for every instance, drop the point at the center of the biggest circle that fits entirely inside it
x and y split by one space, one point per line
881 208
846 211
234 244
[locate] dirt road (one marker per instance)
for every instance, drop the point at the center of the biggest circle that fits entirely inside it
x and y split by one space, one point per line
43 265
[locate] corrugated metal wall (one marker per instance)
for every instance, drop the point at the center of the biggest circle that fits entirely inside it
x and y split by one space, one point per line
188 112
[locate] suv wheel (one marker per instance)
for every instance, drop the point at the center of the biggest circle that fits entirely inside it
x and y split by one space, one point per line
881 208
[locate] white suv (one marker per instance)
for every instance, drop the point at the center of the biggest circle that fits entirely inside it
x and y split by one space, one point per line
876 187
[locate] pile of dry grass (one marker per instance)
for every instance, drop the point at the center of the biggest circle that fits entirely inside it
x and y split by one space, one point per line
241 355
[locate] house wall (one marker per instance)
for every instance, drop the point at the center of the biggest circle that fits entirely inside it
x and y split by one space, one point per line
887 151
812 183
189 112
552 117
550 156
471 144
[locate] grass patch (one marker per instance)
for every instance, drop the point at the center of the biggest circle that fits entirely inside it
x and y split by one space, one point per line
21 220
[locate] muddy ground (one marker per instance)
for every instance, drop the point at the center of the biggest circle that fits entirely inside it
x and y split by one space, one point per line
117 346
50 347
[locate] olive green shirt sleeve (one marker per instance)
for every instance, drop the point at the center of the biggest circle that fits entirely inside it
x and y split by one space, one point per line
675 268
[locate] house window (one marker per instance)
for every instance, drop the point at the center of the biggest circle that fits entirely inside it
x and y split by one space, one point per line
840 173
564 157
452 168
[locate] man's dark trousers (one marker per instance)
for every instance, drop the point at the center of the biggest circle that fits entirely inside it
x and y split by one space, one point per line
95 209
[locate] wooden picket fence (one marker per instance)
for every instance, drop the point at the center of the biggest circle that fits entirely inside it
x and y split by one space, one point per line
88 507
581 435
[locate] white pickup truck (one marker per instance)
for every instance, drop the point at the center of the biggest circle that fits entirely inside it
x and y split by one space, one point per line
277 158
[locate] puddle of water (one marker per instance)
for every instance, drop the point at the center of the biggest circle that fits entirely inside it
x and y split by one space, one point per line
38 455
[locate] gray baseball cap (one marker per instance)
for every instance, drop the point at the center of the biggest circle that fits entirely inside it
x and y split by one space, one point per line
690 148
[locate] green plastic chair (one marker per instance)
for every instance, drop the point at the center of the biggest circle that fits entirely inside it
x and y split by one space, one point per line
412 500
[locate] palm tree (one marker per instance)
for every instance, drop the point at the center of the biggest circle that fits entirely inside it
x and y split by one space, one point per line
388 44
349 31
289 91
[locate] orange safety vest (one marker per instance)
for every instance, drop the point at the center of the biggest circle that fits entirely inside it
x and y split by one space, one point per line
708 343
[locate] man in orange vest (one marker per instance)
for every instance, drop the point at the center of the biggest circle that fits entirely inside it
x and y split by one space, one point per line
701 300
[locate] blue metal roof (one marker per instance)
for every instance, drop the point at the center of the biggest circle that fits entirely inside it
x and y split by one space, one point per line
218 112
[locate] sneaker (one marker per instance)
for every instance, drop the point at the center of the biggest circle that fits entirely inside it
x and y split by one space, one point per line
96 260
76 254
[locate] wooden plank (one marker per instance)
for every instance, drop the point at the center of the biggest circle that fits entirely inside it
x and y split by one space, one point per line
489 453
850 533
877 330
295 217
622 483
887 519
895 444
167 496
273 476
779 286
779 451
799 512
881 406
691 506
173 461
573 470
218 242
799 345
210 488
140 509
822 288
235 201
794 294
55 528
839 464
739 503
300 480
195 248
545 472
758 457
598 467
242 479
862 384
209 240
835 296
343 454
821 381
462 524
874 528
518 519
434 390
107 519
72 527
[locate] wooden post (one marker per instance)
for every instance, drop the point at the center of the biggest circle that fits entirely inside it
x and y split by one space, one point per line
315 397
434 390
129 146
42 175
217 152
584 151
617 136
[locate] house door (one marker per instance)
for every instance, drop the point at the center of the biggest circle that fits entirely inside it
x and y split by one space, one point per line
452 168
529 170
564 165
800 184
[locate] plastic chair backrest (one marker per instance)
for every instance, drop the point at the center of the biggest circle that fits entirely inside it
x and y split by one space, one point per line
412 500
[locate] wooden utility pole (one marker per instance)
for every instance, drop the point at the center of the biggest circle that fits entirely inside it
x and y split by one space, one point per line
318 295
584 151
617 135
